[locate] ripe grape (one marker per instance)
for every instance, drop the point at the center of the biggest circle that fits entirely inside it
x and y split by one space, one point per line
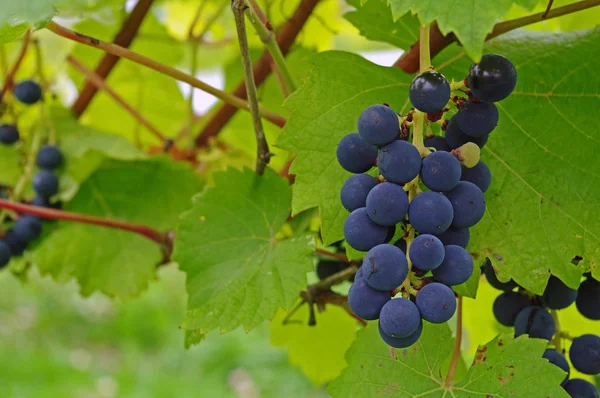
479 175
557 359
28 92
493 78
436 302
365 301
9 134
456 138
456 268
4 253
437 142
401 342
490 275
508 305
430 213
455 236
588 299
385 267
557 295
326 268
585 354
535 322
440 171
355 190
579 388
27 228
477 119
17 246
468 204
399 317
39 201
355 155
45 183
399 162
378 125
49 157
387 204
426 252
361 232
429 92
359 274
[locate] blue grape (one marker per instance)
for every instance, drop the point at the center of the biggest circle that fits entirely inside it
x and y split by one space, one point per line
17 246
440 171
508 305
585 354
479 175
4 253
378 125
557 295
456 268
399 162
493 78
355 155
455 236
28 92
385 267
426 252
387 204
588 299
579 388
49 157
468 204
355 190
365 301
455 137
359 274
477 119
361 232
45 184
399 317
535 322
429 92
401 342
557 359
9 134
430 213
41 202
436 303
27 228
490 276
437 142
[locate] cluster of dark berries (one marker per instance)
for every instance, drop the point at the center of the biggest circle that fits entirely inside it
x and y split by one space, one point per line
444 199
27 92
529 315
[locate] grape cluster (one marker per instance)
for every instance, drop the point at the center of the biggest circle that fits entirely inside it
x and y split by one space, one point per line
434 197
28 228
529 315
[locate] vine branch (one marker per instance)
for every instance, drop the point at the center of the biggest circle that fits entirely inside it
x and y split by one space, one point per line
164 69
337 256
457 343
548 8
263 155
10 76
124 38
52 214
409 60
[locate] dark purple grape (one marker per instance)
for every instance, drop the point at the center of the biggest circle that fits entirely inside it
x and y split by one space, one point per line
436 302
455 236
477 119
361 232
557 295
399 162
479 175
365 301
387 204
385 267
437 142
429 92
456 268
456 138
440 171
378 125
355 155
468 204
430 213
355 190
493 78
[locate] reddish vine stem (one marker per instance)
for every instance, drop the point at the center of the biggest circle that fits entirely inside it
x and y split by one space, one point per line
285 37
9 80
457 343
337 256
409 60
548 8
99 83
124 38
52 214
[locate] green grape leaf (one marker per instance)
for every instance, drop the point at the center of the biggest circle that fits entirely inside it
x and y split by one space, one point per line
118 263
326 108
470 20
238 273
402 33
10 164
328 340
502 368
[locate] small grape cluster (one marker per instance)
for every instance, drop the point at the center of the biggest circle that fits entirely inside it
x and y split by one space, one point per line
45 183
436 195
529 315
